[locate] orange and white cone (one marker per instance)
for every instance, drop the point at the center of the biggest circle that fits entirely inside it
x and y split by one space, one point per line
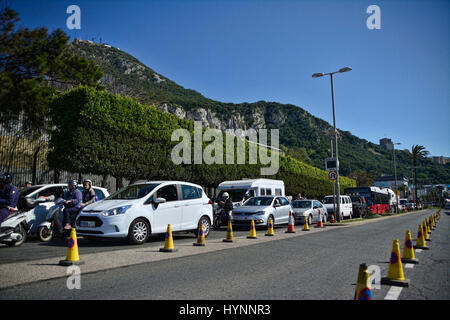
291 223
72 257
395 276
332 218
320 223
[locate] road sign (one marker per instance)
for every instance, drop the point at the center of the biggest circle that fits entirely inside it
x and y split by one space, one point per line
332 175
331 164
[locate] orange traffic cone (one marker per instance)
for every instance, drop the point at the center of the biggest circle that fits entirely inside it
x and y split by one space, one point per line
320 223
168 243
363 288
408 250
291 223
72 257
332 218
395 276
201 237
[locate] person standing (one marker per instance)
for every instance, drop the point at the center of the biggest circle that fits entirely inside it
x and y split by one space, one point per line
9 195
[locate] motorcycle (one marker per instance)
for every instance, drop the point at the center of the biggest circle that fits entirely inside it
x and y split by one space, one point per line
220 218
15 229
52 226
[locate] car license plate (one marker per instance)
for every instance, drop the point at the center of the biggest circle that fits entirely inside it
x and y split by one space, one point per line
87 224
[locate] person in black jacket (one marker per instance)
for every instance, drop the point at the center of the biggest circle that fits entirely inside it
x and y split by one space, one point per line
88 193
9 195
227 204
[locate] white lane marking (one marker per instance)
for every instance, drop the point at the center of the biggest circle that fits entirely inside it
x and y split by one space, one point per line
418 250
409 265
393 293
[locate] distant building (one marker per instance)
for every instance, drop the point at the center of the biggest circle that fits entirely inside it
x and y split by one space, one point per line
387 143
441 160
389 182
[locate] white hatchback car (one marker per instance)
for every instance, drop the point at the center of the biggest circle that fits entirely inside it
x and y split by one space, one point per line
139 210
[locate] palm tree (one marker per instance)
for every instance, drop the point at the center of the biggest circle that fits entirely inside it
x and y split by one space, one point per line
417 152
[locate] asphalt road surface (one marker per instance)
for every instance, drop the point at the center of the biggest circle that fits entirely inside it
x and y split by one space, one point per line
319 266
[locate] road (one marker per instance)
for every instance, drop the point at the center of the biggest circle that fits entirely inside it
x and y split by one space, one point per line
319 265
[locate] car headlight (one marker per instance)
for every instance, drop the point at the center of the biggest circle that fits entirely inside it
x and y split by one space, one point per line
115 211
260 213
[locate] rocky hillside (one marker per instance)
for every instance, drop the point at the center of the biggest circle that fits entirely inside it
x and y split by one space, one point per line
301 134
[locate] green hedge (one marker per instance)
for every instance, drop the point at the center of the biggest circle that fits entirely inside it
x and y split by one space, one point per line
100 133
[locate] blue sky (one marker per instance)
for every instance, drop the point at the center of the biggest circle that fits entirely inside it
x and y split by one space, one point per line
246 51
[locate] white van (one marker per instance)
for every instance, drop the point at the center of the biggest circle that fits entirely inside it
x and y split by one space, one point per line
346 206
255 187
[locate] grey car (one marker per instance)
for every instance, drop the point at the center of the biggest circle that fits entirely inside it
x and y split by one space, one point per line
309 209
261 209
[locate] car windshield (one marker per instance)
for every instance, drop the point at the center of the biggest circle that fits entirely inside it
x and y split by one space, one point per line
328 200
25 192
302 204
259 201
236 195
132 192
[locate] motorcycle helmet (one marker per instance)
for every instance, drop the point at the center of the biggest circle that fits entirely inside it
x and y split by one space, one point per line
72 183
87 180
225 195
5 178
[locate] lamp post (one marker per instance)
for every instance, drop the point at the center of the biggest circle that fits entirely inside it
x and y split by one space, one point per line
395 173
331 74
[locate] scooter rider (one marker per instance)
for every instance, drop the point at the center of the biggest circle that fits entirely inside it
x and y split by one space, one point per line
9 195
72 205
227 204
88 193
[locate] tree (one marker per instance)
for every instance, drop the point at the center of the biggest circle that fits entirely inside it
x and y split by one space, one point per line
32 62
363 179
417 152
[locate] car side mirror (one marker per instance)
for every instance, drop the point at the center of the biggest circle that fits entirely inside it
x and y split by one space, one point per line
276 205
315 207
158 201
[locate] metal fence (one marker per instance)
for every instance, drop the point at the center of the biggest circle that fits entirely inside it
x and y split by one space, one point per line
26 159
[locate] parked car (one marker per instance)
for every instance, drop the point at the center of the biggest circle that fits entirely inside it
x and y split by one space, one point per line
139 210
447 205
39 213
261 209
359 206
346 206
309 209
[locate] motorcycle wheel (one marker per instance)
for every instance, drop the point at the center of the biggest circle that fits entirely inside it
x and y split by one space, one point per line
45 234
20 229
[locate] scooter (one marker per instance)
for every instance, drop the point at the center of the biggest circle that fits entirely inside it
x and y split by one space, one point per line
15 229
220 219
52 226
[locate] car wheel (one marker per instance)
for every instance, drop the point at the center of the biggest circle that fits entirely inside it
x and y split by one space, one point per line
139 231
206 226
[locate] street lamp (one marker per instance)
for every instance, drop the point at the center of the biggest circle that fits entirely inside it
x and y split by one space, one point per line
395 173
318 75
